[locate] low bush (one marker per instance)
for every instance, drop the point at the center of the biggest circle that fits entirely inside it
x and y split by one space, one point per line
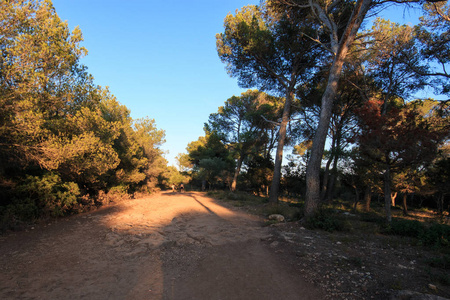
328 220
441 262
47 195
435 235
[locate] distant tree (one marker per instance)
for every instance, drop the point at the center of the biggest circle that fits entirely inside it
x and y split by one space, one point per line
264 48
242 125
183 162
211 160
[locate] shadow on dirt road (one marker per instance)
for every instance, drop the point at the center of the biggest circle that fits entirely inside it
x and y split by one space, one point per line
167 246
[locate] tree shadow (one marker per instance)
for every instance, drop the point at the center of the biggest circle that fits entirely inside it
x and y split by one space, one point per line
101 255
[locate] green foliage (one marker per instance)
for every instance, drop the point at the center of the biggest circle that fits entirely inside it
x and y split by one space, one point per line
438 235
435 235
442 262
403 227
211 160
328 220
63 140
49 194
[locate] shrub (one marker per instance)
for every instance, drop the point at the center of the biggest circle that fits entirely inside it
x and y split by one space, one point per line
436 235
326 219
408 228
46 195
442 262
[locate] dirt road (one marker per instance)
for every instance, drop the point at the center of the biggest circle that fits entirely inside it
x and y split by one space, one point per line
167 246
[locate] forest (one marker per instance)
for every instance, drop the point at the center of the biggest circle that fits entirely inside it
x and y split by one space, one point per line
333 112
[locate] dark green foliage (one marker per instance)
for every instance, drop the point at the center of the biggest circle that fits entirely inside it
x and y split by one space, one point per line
442 262
48 194
436 235
372 218
328 220
405 228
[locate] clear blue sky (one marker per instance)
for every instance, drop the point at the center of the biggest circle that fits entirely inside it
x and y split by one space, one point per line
159 58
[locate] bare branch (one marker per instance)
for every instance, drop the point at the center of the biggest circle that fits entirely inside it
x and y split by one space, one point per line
270 121
441 13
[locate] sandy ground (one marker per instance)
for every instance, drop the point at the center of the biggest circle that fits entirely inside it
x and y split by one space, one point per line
167 246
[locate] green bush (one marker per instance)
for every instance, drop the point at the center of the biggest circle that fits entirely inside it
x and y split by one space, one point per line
372 218
436 235
408 228
328 220
46 195
442 262
18 213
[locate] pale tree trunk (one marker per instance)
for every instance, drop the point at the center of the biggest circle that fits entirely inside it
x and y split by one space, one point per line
387 193
341 49
393 197
275 187
236 173
313 169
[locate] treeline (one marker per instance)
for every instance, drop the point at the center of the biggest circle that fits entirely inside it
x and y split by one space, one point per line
344 99
66 144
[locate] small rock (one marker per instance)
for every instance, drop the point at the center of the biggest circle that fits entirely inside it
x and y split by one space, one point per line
274 244
276 217
432 287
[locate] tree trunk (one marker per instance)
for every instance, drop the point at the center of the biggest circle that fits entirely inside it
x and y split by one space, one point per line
313 170
405 205
236 172
274 189
387 193
355 205
393 197
367 198
326 175
332 180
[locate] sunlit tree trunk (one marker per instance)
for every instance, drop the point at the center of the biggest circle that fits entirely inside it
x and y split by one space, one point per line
387 193
236 172
341 49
